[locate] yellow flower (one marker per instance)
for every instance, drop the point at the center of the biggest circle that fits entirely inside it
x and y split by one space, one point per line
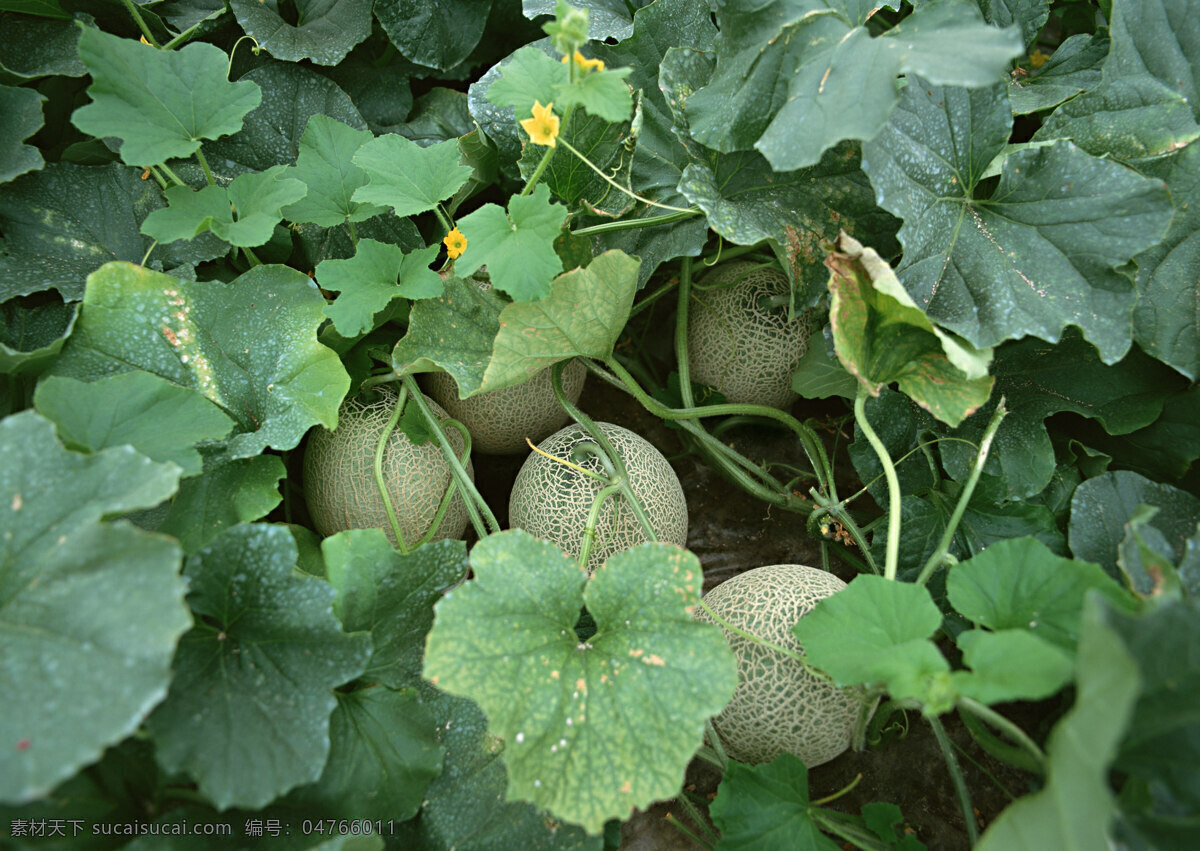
456 244
543 127
586 64
1038 58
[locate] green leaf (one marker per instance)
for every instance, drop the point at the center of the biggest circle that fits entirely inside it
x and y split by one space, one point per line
606 18
208 336
584 314
323 30
390 596
229 491
1039 253
1144 557
881 336
1103 505
518 247
813 62
465 807
1010 665
248 711
820 376
1020 584
1146 101
1072 69
529 75
244 213
160 103
437 116
1073 811
377 81
23 108
597 727
161 420
383 753
573 182
767 807
1029 15
292 95
90 612
875 630
602 93
325 167
32 333
408 178
37 47
378 274
438 35
65 221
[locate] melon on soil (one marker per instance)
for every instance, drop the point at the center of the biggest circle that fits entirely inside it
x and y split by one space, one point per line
779 706
552 501
745 349
339 474
499 421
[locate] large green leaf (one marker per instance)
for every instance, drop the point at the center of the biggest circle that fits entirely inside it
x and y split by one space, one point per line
161 420
1037 253
464 808
65 221
90 612
517 246
390 596
876 631
36 47
530 75
1029 15
881 336
160 103
33 331
1146 101
1074 68
606 18
767 807
323 31
208 336
248 711
406 177
324 165
1011 664
1020 584
827 78
1103 505
383 753
591 729
377 80
1073 811
571 181
377 274
435 34
23 108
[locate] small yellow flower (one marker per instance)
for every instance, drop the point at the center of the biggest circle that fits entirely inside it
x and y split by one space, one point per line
586 64
1038 58
543 127
456 244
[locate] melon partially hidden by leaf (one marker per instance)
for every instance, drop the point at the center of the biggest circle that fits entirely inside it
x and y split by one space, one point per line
339 474
739 338
779 706
500 421
552 501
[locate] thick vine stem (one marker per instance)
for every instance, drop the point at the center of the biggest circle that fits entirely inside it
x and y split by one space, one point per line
471 497
939 555
140 21
448 496
681 333
1008 728
208 175
956 777
892 560
380 447
589 529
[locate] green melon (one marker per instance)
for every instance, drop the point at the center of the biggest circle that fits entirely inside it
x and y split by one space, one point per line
551 501
779 707
500 421
739 345
339 474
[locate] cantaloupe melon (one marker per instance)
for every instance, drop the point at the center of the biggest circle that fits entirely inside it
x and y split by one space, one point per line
339 474
500 421
551 501
779 706
738 343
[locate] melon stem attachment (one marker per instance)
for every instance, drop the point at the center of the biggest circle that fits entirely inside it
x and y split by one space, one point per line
892 561
583 471
380 447
589 529
593 451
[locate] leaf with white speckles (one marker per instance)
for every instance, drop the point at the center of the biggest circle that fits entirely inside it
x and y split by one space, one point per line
248 711
208 336
592 728
323 31
90 612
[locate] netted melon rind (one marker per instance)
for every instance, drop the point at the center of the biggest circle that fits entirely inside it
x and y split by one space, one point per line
500 421
747 353
779 707
551 501
339 475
